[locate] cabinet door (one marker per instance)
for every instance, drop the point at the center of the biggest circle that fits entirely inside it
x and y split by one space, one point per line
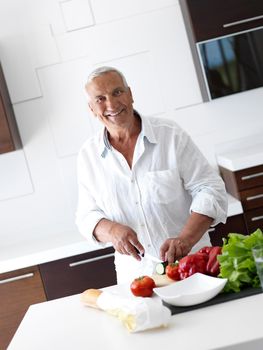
240 180
249 178
254 219
234 224
75 274
9 135
18 290
6 142
214 18
252 198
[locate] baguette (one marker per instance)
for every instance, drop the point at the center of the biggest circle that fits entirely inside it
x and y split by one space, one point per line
90 296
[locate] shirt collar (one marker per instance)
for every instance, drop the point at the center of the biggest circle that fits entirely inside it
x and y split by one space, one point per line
147 132
104 143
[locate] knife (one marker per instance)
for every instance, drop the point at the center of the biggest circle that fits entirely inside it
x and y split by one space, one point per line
150 257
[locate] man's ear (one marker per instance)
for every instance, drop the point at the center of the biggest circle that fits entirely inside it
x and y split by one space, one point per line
91 109
130 94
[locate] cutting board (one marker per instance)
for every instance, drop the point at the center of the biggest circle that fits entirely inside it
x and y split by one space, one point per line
220 298
162 280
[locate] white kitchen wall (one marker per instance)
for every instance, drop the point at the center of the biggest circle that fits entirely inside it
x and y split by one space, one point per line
47 48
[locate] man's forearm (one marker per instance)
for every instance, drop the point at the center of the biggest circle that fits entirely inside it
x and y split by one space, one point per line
102 230
195 227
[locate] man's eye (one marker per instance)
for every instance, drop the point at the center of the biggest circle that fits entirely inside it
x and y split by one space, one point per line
118 92
99 99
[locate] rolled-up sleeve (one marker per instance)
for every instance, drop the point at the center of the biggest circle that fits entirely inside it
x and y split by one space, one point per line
212 204
202 182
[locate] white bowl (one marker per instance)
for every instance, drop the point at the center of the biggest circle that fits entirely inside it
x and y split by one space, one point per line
193 290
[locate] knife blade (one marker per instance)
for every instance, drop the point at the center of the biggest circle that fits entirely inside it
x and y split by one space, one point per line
152 258
148 256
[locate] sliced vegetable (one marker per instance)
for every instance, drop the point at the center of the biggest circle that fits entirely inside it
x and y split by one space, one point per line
191 264
212 266
205 250
236 261
142 286
160 267
172 271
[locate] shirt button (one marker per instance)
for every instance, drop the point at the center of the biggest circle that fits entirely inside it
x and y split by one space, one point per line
142 225
132 181
148 245
137 203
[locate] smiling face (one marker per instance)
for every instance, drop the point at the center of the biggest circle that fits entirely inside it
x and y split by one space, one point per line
110 100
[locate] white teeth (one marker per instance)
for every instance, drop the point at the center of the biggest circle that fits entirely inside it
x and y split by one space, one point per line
113 114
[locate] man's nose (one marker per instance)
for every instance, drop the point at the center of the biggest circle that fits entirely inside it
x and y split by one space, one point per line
111 103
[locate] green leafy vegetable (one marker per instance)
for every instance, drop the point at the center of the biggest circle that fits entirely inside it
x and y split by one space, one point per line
237 263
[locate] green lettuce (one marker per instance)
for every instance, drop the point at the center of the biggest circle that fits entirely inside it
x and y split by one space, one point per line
237 263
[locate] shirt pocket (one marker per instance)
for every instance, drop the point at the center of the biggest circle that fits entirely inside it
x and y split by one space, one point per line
161 186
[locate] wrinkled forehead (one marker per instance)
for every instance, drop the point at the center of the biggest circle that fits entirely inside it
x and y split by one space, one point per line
104 83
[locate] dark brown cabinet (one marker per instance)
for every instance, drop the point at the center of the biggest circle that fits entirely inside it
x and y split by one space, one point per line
9 135
247 186
213 18
234 224
73 275
18 290
21 288
226 40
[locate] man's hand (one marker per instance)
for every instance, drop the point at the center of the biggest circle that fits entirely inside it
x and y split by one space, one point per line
174 249
123 238
125 241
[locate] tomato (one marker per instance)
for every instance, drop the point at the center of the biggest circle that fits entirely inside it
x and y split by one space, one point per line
142 286
172 271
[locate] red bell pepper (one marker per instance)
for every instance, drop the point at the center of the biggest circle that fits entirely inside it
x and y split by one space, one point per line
212 267
204 261
205 250
191 264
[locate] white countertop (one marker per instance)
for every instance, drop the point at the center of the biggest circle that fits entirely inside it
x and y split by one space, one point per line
44 249
234 206
241 154
66 324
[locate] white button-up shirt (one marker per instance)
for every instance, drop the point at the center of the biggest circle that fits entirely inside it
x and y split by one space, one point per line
169 178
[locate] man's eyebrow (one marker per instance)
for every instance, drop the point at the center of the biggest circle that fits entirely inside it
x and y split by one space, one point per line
119 88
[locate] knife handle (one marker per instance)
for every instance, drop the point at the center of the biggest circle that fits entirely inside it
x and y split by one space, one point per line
139 253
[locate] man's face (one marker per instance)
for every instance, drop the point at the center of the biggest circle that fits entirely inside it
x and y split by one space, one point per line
110 100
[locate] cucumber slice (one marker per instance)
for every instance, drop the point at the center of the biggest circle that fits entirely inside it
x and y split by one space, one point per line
160 267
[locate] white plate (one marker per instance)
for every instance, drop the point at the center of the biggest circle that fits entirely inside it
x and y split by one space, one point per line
193 290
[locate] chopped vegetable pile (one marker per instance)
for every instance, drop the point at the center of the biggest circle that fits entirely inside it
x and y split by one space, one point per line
236 261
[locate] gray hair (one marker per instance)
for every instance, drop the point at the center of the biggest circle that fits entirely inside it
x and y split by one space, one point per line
103 70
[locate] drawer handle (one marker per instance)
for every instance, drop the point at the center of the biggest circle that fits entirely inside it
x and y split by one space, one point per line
248 177
256 218
254 197
21 277
251 19
86 261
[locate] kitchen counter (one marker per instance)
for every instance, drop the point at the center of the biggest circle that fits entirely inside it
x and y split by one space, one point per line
66 324
49 248
241 153
42 250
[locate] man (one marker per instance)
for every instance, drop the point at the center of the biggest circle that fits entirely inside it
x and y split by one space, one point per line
143 184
